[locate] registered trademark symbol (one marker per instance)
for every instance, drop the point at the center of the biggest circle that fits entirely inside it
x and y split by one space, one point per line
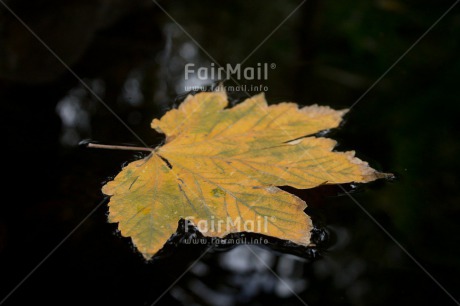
272 65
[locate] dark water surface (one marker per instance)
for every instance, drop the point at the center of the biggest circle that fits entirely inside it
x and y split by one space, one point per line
133 55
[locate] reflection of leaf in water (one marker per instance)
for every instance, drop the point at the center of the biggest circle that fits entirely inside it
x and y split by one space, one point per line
220 167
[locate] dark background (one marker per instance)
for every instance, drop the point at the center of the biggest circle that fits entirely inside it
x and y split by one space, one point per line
133 55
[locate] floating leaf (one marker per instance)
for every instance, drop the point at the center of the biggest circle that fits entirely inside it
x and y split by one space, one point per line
220 166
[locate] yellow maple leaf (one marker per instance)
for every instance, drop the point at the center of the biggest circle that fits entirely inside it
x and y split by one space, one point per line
220 167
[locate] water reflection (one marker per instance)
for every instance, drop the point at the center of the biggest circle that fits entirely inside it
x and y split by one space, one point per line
245 272
132 91
75 111
178 51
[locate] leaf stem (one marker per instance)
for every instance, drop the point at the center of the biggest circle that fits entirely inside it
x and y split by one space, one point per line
112 147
